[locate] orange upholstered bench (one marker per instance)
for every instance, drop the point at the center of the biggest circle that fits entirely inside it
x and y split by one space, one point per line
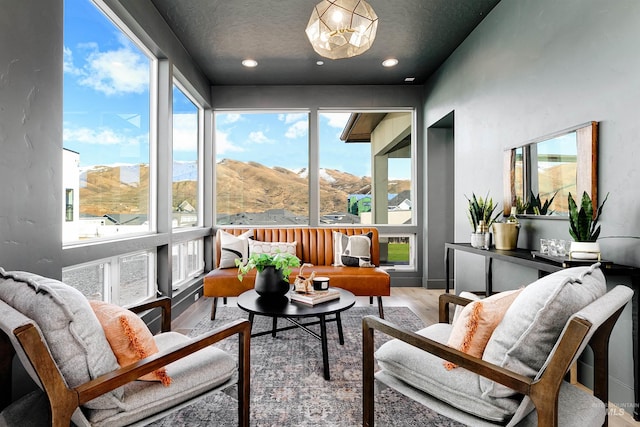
313 246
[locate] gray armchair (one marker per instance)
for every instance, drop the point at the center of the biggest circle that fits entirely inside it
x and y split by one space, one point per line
475 392
52 329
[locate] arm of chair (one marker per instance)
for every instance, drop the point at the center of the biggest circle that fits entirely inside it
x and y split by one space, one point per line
538 390
164 303
64 400
443 305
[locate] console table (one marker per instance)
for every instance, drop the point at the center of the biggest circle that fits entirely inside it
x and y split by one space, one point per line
544 266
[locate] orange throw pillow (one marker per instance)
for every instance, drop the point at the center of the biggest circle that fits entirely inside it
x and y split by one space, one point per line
129 337
476 323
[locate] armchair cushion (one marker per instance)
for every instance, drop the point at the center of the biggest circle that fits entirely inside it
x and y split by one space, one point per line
191 376
459 388
129 337
72 332
532 324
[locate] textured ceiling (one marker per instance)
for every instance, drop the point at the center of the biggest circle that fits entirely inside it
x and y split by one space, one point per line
219 34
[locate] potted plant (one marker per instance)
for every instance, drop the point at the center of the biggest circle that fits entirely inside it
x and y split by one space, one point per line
584 228
273 270
481 215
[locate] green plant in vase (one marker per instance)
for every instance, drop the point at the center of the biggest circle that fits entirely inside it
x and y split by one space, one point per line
584 227
272 279
481 215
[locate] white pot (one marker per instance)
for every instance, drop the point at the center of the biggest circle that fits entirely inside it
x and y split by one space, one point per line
585 250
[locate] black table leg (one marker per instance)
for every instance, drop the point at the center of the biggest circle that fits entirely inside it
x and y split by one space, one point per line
325 348
340 334
274 327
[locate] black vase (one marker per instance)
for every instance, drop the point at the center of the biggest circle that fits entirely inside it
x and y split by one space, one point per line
271 283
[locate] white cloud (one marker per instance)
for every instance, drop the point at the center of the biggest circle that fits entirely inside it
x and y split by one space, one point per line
99 136
297 130
185 132
337 120
258 137
119 71
292 117
230 118
223 145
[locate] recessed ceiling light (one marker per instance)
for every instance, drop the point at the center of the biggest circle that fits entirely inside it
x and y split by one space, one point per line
391 62
319 62
250 63
409 79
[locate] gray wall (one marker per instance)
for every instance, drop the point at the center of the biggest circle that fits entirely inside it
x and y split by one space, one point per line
31 136
529 69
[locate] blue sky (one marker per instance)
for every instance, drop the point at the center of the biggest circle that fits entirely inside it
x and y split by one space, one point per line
106 110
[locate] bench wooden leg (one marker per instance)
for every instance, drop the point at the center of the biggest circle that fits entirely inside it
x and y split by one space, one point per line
380 309
213 308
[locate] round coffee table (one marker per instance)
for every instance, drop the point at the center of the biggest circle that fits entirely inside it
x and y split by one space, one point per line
284 308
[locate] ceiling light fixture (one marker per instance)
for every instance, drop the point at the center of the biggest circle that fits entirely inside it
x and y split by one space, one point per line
341 29
250 63
391 62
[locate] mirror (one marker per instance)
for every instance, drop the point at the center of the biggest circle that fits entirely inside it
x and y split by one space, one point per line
549 168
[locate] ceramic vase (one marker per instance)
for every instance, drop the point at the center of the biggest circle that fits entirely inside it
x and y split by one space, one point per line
481 240
585 250
270 283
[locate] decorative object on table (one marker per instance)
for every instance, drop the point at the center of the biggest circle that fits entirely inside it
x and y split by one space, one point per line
481 216
321 283
339 29
505 234
315 298
272 278
584 228
303 284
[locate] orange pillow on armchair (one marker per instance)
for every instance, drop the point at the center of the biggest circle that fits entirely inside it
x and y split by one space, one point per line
129 337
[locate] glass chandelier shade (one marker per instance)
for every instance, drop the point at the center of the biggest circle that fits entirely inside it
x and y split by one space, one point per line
341 29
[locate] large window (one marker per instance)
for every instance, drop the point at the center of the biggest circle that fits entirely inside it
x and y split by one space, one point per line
262 162
123 280
185 177
366 168
187 262
107 79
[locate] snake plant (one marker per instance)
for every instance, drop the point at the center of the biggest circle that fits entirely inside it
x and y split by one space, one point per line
583 224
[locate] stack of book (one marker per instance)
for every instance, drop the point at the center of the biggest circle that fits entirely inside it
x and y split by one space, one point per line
315 298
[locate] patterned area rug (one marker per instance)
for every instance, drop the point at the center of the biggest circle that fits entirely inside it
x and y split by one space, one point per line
287 383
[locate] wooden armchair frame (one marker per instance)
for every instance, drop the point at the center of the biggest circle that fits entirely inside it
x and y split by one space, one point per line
64 401
543 392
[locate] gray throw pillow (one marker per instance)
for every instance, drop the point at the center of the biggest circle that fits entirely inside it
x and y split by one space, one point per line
234 247
71 330
352 251
533 323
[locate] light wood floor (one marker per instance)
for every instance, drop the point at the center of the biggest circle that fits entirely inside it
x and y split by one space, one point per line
423 302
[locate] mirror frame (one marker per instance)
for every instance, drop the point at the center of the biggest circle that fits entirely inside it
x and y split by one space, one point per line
586 167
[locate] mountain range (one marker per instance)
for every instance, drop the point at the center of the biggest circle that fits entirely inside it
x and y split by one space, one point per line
240 187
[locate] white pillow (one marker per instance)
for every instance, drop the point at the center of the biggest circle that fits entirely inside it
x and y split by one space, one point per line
352 251
234 247
271 248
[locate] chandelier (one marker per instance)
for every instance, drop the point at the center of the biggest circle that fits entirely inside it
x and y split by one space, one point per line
342 28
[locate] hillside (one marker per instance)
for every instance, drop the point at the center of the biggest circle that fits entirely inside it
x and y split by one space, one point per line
241 187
